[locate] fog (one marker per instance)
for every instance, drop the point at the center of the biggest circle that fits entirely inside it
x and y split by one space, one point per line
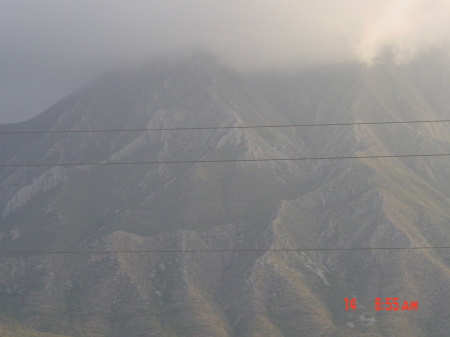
50 47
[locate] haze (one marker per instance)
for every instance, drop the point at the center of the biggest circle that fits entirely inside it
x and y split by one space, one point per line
48 48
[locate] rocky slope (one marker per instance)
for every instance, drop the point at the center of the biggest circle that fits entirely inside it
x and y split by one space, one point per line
249 210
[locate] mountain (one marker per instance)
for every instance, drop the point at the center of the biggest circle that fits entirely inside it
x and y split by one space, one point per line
247 218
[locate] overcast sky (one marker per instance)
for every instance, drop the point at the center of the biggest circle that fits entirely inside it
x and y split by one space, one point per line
50 47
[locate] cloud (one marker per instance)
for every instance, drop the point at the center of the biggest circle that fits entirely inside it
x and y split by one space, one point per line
407 27
53 34
78 36
57 45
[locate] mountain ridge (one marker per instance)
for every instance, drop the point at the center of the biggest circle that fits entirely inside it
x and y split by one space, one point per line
234 207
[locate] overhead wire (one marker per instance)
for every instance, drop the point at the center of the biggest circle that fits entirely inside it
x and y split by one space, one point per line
228 160
220 250
223 127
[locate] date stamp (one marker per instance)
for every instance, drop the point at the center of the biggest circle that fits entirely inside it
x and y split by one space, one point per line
387 304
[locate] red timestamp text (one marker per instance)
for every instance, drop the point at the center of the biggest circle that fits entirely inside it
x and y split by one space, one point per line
392 304
350 303
388 304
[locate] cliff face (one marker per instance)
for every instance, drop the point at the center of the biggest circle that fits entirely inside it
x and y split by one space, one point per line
249 210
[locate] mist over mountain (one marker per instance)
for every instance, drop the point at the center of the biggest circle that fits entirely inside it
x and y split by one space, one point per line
246 218
48 50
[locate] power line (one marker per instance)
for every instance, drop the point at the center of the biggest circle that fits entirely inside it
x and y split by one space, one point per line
221 250
224 127
228 160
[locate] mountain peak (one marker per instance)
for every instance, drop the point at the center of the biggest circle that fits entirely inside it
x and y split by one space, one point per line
191 221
